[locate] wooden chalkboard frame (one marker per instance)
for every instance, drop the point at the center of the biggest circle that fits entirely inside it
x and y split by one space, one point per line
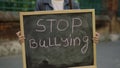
57 12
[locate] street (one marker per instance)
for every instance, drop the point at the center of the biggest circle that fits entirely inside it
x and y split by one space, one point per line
108 56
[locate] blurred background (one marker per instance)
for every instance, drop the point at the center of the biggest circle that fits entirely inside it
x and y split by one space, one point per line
107 24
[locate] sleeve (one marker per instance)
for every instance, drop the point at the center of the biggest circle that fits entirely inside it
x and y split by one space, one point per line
75 4
38 5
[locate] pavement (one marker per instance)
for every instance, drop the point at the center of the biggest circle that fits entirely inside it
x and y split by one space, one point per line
108 56
11 62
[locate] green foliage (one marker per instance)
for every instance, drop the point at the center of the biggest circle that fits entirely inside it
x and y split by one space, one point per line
17 5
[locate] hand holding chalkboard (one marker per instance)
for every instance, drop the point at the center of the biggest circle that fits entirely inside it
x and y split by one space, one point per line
21 37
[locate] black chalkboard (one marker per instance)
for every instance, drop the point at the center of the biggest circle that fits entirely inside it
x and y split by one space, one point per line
58 39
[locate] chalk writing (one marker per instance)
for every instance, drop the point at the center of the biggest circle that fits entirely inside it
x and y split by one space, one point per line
59 41
76 22
85 47
65 42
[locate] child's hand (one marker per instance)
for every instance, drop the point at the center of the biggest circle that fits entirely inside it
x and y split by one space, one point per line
21 38
96 38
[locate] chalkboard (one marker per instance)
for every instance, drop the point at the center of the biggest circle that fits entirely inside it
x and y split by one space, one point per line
58 39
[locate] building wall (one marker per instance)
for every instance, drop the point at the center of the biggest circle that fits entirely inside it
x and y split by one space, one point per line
9 25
